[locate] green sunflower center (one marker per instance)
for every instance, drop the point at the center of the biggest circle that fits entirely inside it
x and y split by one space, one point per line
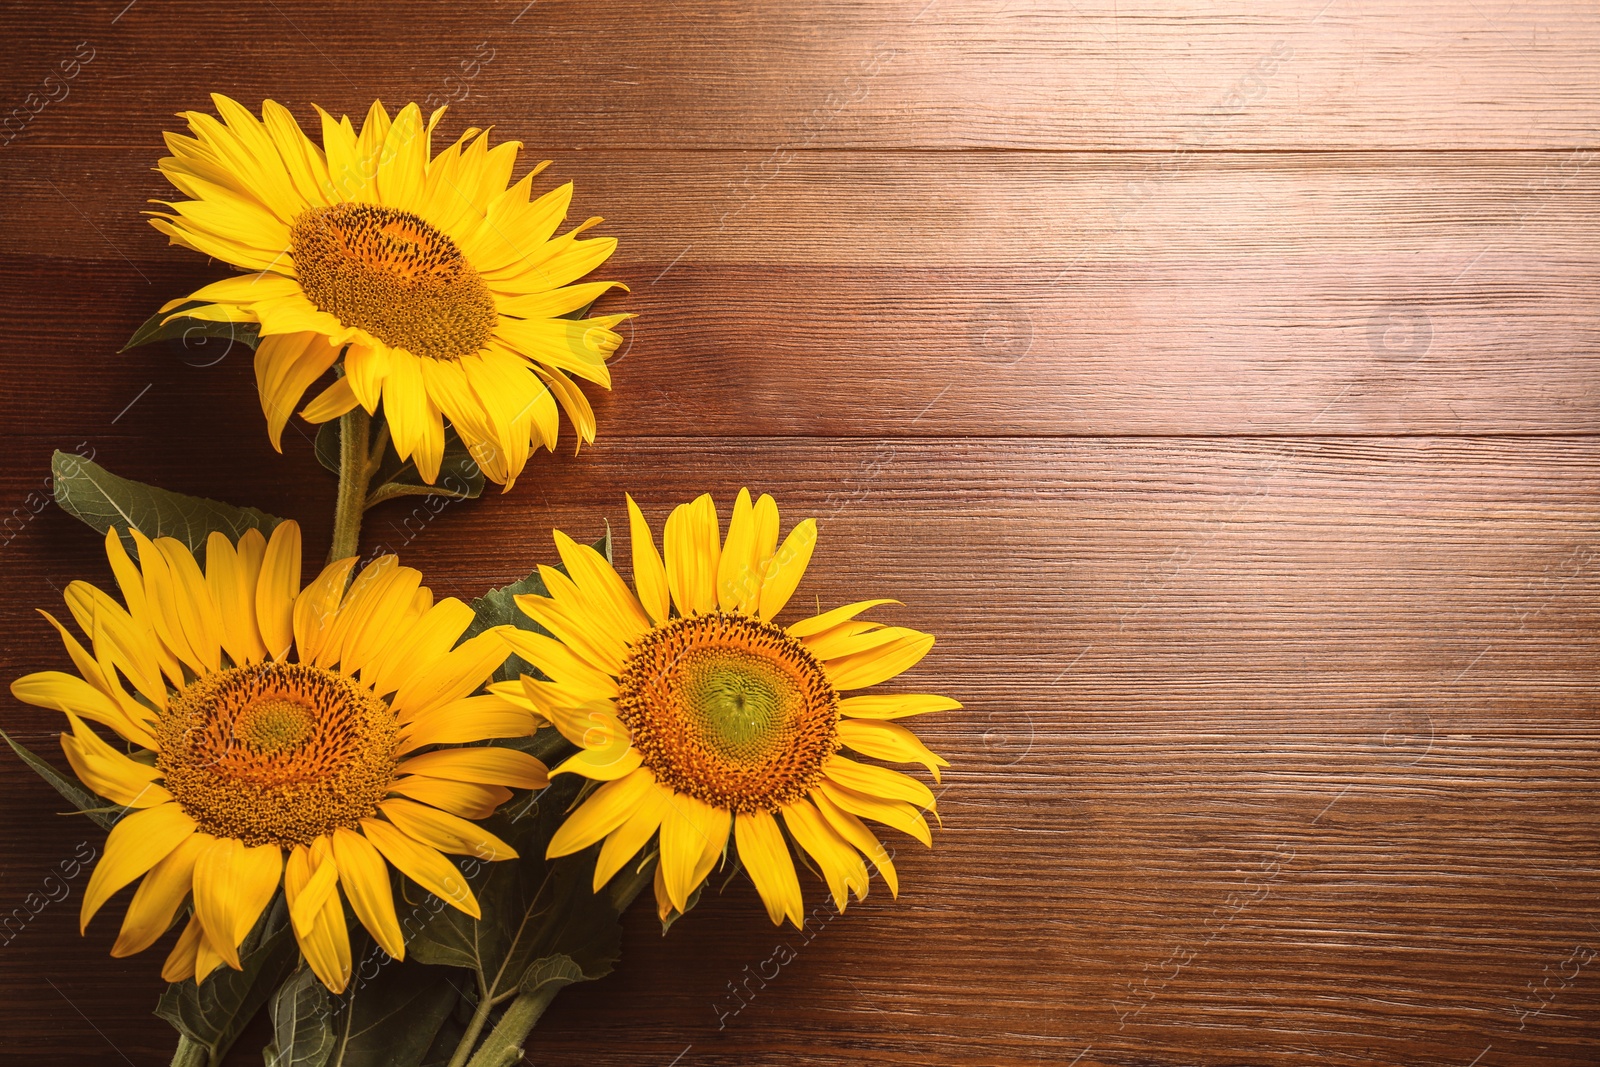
276 753
393 275
273 724
731 710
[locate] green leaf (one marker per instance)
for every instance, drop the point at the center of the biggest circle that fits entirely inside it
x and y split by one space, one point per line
302 1023
558 971
213 1014
498 607
542 921
89 492
460 477
186 329
392 1018
395 1019
85 802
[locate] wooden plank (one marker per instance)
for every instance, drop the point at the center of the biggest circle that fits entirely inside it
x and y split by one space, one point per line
1271 750
1279 293
836 73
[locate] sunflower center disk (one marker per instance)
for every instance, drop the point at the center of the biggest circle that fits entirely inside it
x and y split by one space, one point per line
730 710
277 753
394 276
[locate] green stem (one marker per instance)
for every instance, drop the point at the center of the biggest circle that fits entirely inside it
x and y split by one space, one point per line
474 1028
503 1046
355 471
190 1053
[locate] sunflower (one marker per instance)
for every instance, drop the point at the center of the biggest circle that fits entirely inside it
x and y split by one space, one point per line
443 284
702 716
273 734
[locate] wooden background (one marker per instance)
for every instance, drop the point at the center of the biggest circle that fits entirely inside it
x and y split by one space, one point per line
1217 379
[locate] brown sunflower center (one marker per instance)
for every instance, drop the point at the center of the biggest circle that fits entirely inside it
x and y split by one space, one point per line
730 710
276 753
393 275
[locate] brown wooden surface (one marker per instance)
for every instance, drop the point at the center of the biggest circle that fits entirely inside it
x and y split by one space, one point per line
1218 380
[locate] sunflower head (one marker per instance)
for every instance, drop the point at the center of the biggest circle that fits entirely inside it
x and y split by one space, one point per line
701 716
270 735
440 284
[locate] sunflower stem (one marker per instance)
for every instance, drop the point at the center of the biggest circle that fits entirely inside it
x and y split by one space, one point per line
479 1016
503 1046
355 471
190 1053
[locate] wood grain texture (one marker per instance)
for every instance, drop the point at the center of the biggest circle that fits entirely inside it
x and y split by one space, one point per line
1074 293
836 73
1233 427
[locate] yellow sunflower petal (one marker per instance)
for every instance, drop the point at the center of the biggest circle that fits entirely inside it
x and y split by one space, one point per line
878 782
819 624
556 302
310 878
649 573
206 957
664 906
365 878
739 578
276 588
108 772
482 764
693 542
332 402
316 609
895 813
233 883
231 576
405 403
138 842
567 620
453 675
841 639
119 711
890 652
765 520
197 612
423 864
156 901
179 966
606 809
380 620
786 568
443 831
624 843
469 800
840 864
602 587
559 662
601 764
593 725
308 885
423 640
579 411
891 742
286 366
69 693
164 592
121 640
895 705
465 721
693 834
766 857
855 831
366 366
